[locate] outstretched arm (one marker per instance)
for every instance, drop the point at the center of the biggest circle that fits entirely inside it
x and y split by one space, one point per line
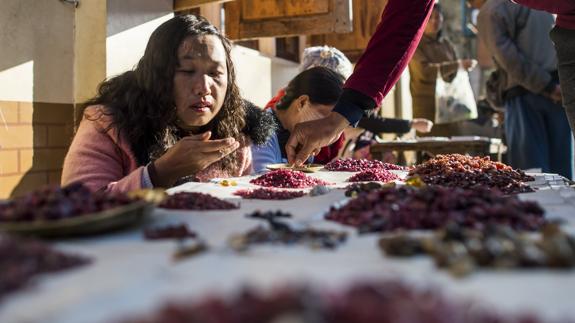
387 54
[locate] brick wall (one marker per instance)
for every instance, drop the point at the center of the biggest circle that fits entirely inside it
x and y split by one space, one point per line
34 138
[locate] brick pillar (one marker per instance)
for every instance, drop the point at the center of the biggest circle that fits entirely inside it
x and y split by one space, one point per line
56 59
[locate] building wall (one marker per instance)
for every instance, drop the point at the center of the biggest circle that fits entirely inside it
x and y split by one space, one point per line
58 54
131 22
129 25
36 92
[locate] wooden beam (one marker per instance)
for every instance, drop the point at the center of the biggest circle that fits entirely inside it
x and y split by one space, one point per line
180 5
283 18
366 16
212 12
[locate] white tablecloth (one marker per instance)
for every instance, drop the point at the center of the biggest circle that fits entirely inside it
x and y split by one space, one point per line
132 276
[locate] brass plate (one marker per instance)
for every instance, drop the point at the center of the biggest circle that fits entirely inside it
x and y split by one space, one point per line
107 220
306 168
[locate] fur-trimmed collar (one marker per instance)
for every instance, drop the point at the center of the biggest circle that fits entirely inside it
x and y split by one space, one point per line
260 126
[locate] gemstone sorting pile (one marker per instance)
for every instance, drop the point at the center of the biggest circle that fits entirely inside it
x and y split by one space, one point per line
196 201
432 207
358 165
53 203
269 194
286 178
456 170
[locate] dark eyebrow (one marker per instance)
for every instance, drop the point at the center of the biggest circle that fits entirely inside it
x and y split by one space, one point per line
193 58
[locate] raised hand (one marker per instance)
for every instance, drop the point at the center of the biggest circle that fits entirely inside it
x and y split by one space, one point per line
190 155
421 125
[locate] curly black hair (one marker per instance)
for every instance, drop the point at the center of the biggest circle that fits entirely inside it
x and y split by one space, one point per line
141 103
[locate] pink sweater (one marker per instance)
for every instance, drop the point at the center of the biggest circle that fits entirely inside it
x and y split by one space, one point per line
99 160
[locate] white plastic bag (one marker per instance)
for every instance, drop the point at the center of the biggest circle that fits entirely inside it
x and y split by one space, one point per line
454 101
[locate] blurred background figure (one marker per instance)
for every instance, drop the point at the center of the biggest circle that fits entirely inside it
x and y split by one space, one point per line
563 36
434 56
536 127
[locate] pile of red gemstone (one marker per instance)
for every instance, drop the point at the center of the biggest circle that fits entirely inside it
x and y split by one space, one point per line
175 231
379 175
358 165
269 194
367 302
456 170
285 178
21 260
56 203
432 207
196 201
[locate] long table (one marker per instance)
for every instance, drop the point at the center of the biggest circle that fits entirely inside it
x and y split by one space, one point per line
130 276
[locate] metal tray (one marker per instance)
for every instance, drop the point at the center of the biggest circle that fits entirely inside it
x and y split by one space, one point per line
89 224
306 168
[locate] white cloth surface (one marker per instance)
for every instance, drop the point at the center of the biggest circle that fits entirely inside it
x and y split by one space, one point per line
130 276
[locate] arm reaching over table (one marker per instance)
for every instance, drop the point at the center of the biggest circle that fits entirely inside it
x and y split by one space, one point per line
387 54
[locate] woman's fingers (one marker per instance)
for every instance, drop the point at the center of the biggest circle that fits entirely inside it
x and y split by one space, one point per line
214 156
197 145
201 136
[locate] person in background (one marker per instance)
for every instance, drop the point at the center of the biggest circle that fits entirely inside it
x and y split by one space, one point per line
334 59
536 127
177 115
435 54
387 54
309 96
563 36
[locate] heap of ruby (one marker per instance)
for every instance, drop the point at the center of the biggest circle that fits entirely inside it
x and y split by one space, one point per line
366 302
269 194
21 260
196 201
56 203
456 170
358 165
373 175
432 207
286 178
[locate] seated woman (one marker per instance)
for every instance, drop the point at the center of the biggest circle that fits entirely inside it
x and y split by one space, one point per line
309 96
177 116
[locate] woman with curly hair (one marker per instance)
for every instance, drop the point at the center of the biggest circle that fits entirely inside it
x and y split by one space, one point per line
177 116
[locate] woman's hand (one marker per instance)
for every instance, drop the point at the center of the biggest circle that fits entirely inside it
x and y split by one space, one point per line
421 125
190 155
308 137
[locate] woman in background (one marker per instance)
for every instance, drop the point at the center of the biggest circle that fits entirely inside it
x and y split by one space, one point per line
434 54
309 96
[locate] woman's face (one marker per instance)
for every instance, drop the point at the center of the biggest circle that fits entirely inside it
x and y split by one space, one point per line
434 24
200 80
302 110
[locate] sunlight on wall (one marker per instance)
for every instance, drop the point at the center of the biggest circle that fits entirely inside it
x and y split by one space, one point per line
253 73
17 83
125 49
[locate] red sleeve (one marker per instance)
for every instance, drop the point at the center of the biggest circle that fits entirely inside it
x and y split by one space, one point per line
390 48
